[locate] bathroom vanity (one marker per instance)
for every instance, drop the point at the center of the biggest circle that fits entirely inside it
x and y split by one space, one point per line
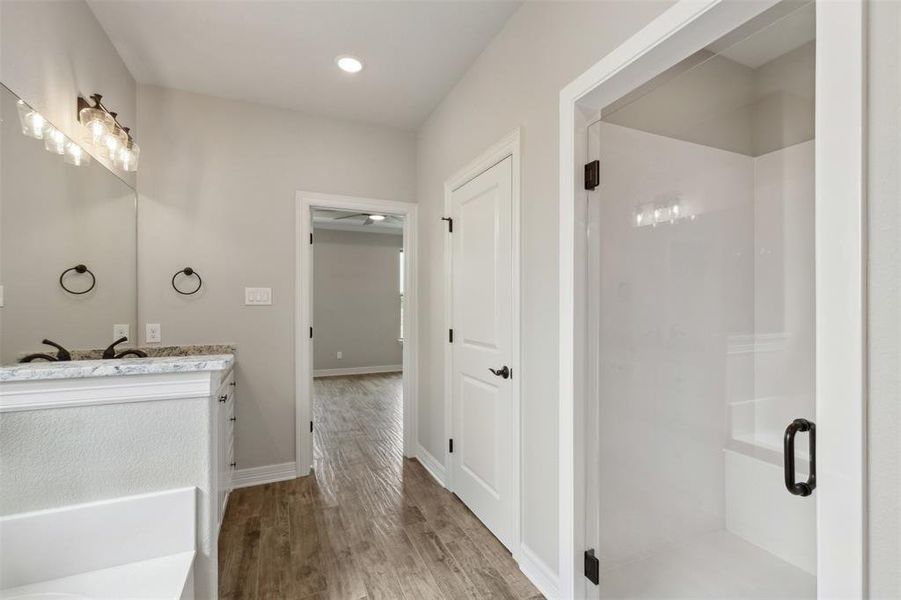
90 430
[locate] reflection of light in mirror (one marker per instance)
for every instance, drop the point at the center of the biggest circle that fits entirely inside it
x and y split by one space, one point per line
54 140
652 214
34 125
32 122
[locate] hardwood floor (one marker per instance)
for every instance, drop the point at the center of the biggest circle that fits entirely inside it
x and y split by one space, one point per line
367 524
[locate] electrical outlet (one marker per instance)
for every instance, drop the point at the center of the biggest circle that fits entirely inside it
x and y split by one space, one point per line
152 333
257 296
340 355
120 331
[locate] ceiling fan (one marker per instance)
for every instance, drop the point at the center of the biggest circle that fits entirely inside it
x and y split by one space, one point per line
371 218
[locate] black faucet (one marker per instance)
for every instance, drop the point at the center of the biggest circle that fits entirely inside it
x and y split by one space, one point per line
61 355
110 351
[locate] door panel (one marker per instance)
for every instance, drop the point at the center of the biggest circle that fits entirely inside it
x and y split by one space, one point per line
701 296
482 312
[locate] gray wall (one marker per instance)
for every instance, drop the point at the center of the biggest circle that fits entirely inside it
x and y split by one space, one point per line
52 51
884 191
515 82
356 301
217 192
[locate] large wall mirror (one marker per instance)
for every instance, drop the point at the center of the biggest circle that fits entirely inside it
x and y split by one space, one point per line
67 223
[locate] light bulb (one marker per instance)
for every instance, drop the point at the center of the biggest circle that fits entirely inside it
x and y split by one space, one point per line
638 219
54 140
377 217
97 122
349 64
675 210
32 122
127 157
112 142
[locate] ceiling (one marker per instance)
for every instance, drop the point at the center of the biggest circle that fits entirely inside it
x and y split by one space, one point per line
282 53
353 221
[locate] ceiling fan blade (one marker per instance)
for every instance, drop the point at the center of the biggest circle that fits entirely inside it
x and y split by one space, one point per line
368 221
350 216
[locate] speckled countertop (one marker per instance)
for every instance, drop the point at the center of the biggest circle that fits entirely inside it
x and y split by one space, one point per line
171 359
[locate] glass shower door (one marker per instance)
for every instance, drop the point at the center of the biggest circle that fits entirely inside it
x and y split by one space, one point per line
702 304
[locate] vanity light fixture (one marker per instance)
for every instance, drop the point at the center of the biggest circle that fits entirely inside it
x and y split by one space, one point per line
349 64
111 140
34 125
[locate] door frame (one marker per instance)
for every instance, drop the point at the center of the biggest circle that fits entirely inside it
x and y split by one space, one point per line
840 223
508 146
305 202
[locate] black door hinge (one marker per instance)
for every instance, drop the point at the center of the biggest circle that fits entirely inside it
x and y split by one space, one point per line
450 336
592 174
450 445
311 333
311 238
311 426
450 223
592 567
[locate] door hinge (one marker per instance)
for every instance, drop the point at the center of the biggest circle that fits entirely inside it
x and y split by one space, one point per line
450 223
311 333
311 238
592 567
592 174
450 336
311 426
450 445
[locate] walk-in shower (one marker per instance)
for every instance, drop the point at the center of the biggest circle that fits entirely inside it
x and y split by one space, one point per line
702 321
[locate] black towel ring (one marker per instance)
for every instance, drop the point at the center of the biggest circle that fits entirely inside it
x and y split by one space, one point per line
187 272
78 269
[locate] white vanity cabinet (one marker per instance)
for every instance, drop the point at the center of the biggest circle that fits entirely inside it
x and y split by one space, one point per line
225 442
121 428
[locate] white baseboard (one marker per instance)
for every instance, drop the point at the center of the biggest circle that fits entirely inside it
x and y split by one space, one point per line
265 474
538 572
358 370
432 465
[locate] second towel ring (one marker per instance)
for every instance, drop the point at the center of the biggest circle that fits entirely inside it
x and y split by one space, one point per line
78 269
187 272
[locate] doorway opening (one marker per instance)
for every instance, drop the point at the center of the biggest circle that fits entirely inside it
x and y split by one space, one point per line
355 331
707 270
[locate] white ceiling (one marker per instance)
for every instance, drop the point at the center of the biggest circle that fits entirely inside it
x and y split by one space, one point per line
282 53
341 221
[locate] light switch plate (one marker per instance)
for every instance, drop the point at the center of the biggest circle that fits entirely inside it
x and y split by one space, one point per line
257 296
120 331
152 333
340 355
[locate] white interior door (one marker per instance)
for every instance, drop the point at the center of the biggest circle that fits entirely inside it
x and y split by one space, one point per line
482 321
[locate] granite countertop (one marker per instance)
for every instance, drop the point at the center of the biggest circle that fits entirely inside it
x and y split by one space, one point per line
181 359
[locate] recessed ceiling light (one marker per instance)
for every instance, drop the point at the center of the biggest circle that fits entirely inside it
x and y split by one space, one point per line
349 64
377 217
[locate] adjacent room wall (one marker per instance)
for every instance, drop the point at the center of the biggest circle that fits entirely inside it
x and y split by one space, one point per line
217 192
516 82
53 51
356 300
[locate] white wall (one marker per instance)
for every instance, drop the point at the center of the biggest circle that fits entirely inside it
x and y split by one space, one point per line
217 192
515 82
884 191
53 51
671 300
356 299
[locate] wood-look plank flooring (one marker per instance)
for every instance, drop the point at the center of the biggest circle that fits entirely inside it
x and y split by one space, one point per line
368 524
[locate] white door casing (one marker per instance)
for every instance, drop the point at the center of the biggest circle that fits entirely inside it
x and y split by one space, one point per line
483 417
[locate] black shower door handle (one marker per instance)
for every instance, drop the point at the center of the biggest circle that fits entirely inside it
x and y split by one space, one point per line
803 488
